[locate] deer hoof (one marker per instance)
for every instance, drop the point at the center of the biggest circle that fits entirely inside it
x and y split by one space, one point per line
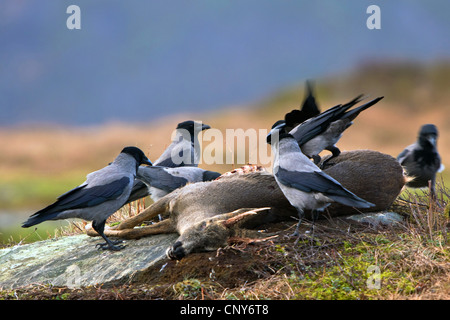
176 252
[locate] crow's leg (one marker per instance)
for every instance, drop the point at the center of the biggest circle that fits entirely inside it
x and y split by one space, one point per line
334 153
432 188
300 218
315 216
109 245
433 195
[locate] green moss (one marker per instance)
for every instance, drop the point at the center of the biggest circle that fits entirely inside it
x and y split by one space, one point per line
359 272
191 288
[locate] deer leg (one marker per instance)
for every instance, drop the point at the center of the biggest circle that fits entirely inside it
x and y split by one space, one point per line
316 159
164 226
147 214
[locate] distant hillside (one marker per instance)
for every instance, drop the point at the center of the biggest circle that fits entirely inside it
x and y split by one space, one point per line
410 85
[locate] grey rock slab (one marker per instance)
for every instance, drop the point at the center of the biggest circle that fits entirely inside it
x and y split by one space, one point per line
74 261
386 218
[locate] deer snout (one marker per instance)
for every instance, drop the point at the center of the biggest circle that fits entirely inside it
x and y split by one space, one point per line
176 252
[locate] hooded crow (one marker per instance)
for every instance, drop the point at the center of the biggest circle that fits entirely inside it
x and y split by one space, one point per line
184 151
185 148
421 160
163 180
104 192
305 186
328 126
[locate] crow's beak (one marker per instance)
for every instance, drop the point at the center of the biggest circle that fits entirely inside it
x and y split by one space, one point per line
205 126
432 140
147 162
277 127
269 138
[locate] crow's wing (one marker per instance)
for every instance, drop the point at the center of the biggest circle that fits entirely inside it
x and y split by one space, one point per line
317 181
406 154
316 125
160 178
167 161
352 114
82 196
183 151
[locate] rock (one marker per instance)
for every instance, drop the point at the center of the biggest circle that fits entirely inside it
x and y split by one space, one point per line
378 218
75 261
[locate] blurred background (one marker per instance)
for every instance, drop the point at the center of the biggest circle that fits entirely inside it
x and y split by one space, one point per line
71 99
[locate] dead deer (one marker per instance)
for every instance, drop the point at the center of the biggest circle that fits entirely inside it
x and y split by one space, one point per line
206 214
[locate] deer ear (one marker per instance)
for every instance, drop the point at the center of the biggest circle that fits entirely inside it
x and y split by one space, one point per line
228 223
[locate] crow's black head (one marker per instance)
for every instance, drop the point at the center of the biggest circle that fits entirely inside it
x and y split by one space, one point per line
137 154
192 126
428 135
